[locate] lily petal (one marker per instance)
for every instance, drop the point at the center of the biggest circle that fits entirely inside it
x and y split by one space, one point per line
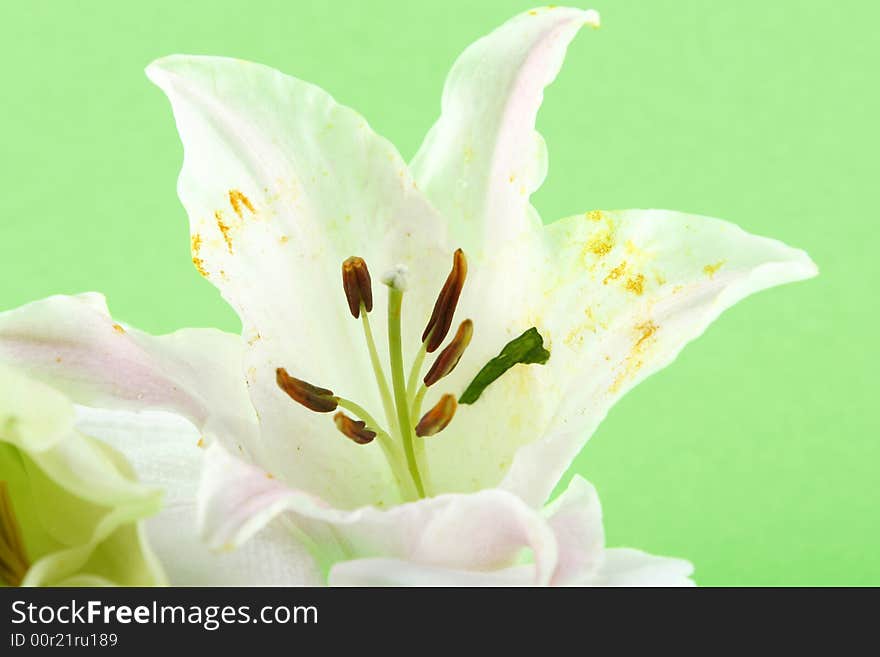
616 296
576 519
628 567
282 184
42 415
484 531
625 291
73 344
483 158
164 451
397 572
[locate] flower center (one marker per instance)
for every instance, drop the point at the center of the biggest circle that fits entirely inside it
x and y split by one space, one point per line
402 436
13 558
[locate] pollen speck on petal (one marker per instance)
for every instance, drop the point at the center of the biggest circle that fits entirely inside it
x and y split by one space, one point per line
237 199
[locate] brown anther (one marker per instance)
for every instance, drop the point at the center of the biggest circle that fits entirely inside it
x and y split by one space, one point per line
444 308
354 429
312 397
438 418
357 286
449 357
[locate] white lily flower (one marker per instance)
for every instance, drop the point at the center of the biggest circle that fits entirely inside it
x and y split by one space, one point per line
282 186
70 511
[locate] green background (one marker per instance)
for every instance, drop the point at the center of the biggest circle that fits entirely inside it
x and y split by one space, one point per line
756 454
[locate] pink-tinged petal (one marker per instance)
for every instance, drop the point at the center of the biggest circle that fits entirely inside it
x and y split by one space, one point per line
576 519
485 531
73 344
628 567
483 158
397 572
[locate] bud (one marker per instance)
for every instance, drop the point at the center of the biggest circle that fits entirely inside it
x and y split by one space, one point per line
357 286
449 357
354 429
312 397
438 418
444 308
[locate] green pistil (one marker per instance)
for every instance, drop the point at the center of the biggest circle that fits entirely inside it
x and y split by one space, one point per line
398 382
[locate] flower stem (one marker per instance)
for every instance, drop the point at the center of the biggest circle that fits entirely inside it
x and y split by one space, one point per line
395 348
381 381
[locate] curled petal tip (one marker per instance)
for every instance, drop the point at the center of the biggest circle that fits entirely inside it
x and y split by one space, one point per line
591 18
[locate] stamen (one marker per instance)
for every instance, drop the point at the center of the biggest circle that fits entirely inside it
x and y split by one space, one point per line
354 429
449 357
357 285
438 418
14 563
312 397
444 308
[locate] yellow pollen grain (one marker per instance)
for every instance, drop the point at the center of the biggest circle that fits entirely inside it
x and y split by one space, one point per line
269 475
511 178
594 215
575 337
284 239
601 243
615 273
647 330
636 284
710 270
635 359
196 245
201 442
118 329
237 200
533 13
224 229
